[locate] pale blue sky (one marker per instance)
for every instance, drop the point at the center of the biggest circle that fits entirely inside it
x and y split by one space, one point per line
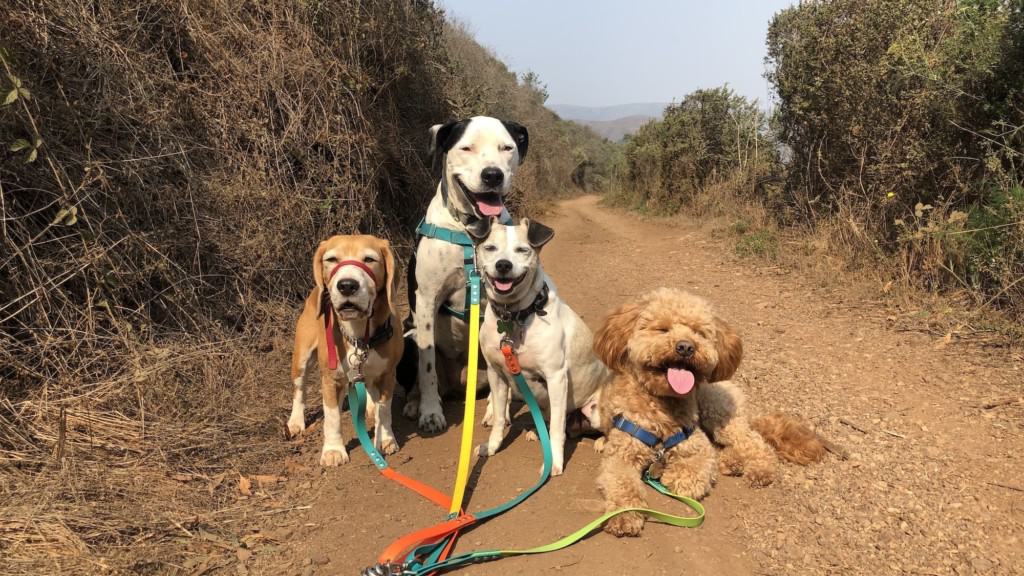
606 52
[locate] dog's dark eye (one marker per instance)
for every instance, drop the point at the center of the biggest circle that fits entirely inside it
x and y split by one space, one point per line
331 259
369 259
466 148
490 248
522 250
507 148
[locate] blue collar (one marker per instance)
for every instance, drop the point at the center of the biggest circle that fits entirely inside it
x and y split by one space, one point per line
649 438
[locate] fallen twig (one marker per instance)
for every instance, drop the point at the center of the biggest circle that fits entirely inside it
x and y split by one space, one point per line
896 434
1001 402
1007 486
834 448
852 425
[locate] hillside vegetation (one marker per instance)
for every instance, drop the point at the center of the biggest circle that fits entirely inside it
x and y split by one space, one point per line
167 170
898 137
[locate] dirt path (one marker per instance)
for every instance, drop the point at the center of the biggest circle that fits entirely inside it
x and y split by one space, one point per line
934 483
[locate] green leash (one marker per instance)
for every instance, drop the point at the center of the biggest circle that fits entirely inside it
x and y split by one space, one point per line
479 556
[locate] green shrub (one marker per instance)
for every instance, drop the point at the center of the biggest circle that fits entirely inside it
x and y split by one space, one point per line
886 106
763 243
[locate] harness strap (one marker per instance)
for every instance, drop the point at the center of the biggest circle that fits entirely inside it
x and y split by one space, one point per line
649 438
459 238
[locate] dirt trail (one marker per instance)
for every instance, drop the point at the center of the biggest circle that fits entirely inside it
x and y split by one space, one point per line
933 484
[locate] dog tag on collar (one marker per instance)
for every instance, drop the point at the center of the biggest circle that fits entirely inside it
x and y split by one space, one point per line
505 327
353 375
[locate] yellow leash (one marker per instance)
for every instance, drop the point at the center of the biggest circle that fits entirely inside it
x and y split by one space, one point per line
469 418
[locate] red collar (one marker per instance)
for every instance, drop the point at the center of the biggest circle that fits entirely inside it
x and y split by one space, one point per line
332 350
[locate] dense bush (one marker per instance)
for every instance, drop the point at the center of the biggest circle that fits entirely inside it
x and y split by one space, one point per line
709 137
907 118
898 135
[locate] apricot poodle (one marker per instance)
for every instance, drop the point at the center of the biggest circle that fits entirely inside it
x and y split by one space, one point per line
671 405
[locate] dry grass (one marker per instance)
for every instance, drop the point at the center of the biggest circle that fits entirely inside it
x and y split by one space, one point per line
188 155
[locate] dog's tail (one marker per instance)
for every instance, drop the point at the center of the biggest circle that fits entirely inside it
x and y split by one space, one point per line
792 438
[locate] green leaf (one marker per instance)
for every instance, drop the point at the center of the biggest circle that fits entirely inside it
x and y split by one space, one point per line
11 97
105 304
25 93
32 156
19 145
66 217
61 215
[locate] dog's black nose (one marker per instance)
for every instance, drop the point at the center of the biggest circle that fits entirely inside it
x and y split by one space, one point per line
492 176
347 286
503 266
685 348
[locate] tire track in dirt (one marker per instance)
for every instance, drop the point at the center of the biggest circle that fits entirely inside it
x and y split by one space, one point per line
928 488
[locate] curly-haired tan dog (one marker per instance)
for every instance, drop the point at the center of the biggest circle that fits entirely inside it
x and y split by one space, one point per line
672 357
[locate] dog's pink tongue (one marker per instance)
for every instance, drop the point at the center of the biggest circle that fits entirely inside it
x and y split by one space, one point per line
503 285
489 205
680 380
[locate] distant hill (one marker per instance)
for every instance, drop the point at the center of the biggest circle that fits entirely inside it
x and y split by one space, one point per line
606 113
612 122
616 130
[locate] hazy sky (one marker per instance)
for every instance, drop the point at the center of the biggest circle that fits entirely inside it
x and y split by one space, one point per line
604 52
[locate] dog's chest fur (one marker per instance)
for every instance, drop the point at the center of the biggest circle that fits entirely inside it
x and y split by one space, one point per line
375 366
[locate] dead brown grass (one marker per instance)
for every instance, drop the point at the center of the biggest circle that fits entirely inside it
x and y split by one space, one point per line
184 158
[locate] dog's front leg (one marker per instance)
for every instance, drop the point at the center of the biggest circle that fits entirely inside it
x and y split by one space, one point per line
383 436
499 396
619 481
431 416
690 467
333 452
558 393
301 354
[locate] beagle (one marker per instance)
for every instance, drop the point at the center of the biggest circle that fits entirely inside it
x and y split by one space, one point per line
349 320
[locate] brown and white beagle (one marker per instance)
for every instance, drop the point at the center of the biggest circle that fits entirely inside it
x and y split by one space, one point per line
350 309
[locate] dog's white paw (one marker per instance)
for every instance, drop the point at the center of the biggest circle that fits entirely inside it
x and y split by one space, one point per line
333 457
556 470
411 410
484 450
389 447
432 422
296 424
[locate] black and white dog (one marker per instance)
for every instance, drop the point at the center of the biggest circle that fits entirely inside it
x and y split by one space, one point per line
479 157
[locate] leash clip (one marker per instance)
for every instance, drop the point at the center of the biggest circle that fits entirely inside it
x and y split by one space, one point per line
385 569
360 352
511 361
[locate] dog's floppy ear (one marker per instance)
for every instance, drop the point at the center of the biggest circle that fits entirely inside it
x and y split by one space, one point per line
390 273
318 274
521 135
444 136
730 351
318 266
481 229
612 338
537 234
